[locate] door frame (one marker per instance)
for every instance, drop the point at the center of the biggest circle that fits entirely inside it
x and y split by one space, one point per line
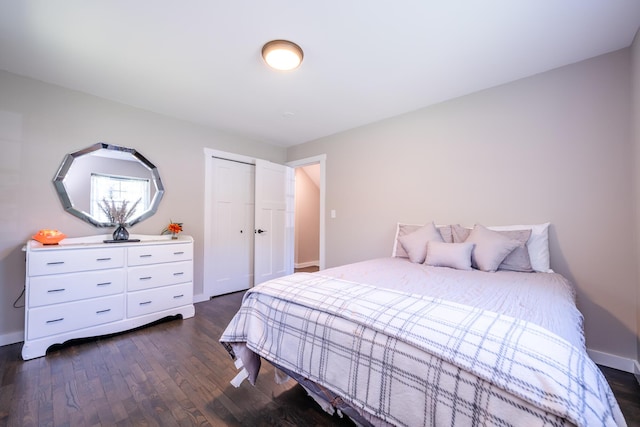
322 161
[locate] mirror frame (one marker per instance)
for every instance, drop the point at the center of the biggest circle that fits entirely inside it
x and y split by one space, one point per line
68 204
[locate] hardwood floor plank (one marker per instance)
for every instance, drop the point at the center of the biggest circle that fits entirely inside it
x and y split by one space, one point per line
173 373
6 394
105 414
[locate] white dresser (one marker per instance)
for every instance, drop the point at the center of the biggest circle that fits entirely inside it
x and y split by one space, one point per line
83 287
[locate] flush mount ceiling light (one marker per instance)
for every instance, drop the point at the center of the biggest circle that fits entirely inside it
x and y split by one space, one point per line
282 55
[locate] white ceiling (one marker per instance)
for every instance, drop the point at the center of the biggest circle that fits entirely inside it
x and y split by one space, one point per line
365 60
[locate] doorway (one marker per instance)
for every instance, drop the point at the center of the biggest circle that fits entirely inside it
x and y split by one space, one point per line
307 218
310 212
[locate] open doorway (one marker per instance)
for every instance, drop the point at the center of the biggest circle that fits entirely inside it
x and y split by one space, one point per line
309 252
307 218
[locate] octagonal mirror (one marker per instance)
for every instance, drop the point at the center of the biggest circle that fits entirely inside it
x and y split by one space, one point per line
108 175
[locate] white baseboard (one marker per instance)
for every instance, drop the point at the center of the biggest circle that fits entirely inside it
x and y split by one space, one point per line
200 298
306 264
615 362
11 338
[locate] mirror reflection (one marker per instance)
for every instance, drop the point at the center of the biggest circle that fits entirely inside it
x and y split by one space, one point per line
105 174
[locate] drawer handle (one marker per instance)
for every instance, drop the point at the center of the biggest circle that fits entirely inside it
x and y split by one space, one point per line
179 273
55 263
179 253
178 296
55 290
103 311
146 256
146 278
145 303
55 320
103 284
103 259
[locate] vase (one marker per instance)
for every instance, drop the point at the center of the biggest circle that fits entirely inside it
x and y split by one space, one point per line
174 236
120 233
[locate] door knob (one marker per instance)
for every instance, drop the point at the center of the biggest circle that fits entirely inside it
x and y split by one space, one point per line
260 231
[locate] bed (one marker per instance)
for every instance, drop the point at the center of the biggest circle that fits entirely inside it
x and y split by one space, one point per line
428 338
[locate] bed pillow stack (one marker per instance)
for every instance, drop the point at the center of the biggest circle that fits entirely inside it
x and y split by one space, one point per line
522 248
496 250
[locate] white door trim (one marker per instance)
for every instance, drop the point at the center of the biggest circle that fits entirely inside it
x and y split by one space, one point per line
322 160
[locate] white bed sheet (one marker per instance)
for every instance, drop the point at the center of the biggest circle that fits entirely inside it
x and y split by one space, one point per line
546 299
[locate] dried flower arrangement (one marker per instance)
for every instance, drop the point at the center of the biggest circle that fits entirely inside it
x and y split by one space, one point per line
118 214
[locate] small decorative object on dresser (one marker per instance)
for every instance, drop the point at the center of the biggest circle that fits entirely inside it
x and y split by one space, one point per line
119 214
48 237
173 228
82 287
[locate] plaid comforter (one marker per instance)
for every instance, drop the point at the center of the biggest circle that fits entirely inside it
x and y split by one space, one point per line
417 361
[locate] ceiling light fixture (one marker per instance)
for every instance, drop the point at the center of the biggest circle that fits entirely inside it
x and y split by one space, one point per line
282 55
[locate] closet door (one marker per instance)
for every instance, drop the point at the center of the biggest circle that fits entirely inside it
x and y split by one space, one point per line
231 265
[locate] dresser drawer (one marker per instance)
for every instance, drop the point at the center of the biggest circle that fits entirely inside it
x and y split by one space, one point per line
154 254
60 288
68 261
154 300
60 318
152 276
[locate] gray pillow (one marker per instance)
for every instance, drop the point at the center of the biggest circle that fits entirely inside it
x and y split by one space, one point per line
459 233
491 248
517 260
415 244
453 255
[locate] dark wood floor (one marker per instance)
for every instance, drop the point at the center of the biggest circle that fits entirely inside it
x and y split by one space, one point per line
174 373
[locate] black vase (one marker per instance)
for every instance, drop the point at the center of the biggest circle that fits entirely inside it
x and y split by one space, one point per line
120 233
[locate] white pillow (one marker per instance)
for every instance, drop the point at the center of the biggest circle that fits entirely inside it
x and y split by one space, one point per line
453 255
538 244
416 243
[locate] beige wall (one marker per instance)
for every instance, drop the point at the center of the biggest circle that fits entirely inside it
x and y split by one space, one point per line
40 123
553 147
635 120
307 211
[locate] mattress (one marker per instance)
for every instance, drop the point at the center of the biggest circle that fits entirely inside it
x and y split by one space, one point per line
407 344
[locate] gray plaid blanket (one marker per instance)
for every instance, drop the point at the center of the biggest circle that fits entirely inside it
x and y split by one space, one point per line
417 361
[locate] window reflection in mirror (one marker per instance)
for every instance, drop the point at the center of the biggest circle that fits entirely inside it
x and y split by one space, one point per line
118 189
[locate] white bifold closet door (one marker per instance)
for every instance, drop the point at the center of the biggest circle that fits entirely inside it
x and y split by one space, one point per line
252 225
233 227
